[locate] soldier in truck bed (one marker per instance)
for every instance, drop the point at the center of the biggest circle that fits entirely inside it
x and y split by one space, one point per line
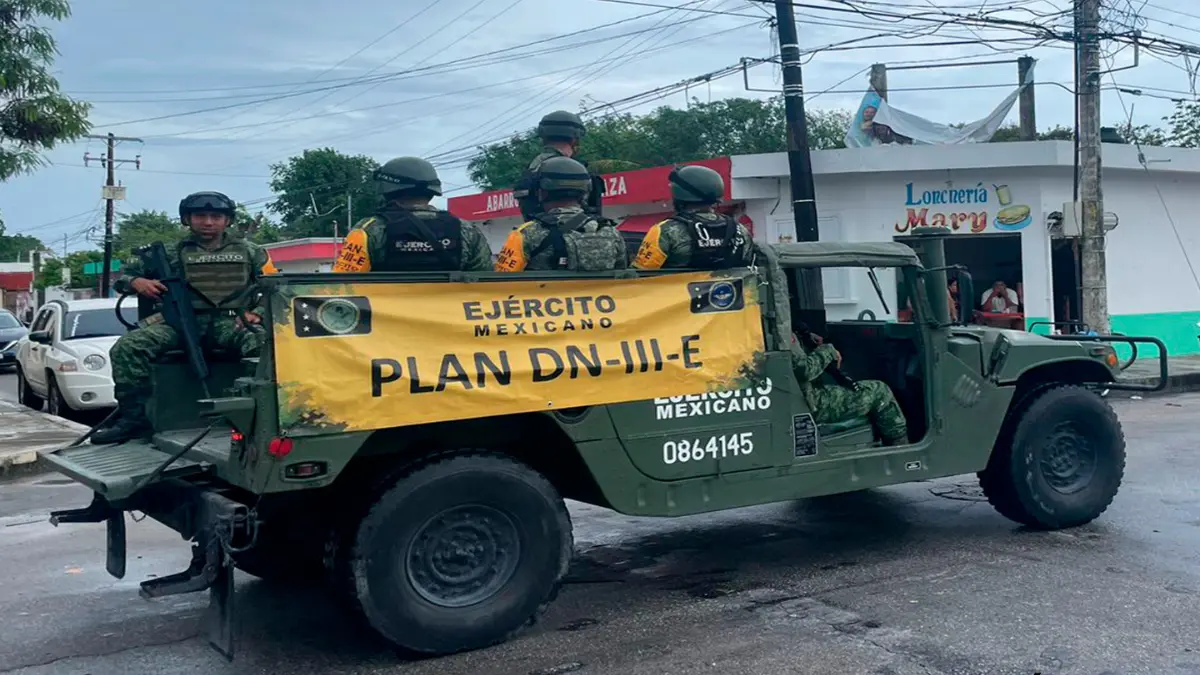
696 236
408 233
560 133
222 268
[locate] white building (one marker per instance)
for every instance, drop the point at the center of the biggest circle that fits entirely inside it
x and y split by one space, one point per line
978 191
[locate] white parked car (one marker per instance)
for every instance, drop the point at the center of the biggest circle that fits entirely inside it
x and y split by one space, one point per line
64 359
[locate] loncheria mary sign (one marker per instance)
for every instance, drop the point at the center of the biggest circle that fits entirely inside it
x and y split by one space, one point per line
971 209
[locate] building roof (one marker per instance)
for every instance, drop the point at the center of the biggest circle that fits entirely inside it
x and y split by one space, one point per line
967 156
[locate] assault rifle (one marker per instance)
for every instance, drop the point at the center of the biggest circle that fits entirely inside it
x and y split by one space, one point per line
176 304
809 341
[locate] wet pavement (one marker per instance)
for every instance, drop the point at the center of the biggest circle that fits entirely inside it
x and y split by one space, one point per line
919 579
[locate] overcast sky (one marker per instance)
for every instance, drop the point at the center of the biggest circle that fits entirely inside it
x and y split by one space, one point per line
137 60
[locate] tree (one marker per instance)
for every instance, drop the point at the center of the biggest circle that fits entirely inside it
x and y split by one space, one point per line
667 135
323 176
34 115
18 246
135 230
51 274
52 270
1183 125
76 262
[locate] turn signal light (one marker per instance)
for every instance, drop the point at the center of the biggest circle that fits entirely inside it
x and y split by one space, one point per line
1111 359
280 447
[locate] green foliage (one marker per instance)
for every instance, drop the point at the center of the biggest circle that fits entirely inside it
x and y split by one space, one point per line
665 136
49 275
325 176
135 230
34 115
1183 125
75 262
17 246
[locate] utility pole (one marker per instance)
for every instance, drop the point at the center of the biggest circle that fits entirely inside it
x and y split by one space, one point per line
111 193
804 202
1026 105
1094 277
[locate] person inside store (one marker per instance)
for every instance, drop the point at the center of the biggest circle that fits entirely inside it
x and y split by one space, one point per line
1000 299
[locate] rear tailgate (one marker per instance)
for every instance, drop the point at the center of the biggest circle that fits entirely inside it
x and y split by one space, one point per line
117 471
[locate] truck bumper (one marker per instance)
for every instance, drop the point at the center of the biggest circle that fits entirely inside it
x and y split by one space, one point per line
215 525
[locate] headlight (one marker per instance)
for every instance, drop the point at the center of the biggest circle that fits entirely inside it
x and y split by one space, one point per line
94 362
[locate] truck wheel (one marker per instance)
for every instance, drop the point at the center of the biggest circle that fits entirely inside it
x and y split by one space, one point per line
1059 462
460 553
25 393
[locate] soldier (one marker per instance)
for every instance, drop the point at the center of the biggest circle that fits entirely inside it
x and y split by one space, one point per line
831 403
560 132
565 237
409 234
696 236
222 269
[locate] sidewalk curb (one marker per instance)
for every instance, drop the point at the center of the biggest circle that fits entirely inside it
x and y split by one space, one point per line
30 462
1176 384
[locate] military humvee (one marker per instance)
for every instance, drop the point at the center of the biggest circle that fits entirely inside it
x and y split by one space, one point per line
411 438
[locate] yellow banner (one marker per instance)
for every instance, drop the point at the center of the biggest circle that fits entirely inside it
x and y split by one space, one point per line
366 356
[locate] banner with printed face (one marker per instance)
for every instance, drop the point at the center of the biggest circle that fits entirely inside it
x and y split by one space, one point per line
352 357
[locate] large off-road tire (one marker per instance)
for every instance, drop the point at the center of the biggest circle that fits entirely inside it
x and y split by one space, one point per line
25 394
1059 460
460 553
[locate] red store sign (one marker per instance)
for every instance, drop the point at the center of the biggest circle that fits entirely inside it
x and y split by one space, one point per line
643 186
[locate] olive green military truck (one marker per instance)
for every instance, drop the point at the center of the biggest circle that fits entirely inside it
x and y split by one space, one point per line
410 439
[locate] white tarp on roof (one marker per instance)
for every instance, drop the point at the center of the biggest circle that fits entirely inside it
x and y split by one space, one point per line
877 123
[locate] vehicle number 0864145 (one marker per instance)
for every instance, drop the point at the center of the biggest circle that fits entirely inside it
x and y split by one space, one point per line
715 447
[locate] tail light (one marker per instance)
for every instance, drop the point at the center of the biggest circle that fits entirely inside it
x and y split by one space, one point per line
280 447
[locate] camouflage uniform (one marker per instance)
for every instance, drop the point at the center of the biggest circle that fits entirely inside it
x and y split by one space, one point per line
592 244
365 247
669 244
831 403
134 353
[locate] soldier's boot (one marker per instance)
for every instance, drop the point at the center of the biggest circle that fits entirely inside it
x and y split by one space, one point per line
126 427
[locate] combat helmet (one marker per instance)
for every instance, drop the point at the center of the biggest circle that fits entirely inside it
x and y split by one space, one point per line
561 124
206 201
564 178
696 185
407 173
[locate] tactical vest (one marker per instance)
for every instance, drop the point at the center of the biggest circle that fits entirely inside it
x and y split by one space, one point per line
416 244
572 247
714 242
526 190
219 279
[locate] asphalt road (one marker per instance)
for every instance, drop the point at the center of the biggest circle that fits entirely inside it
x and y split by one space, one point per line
922 579
8 385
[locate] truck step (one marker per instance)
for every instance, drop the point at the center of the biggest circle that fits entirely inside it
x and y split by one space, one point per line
116 471
214 448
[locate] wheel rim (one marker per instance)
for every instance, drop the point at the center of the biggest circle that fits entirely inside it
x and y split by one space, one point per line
463 556
1068 459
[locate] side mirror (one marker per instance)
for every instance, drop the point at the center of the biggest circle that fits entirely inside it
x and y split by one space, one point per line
41 337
